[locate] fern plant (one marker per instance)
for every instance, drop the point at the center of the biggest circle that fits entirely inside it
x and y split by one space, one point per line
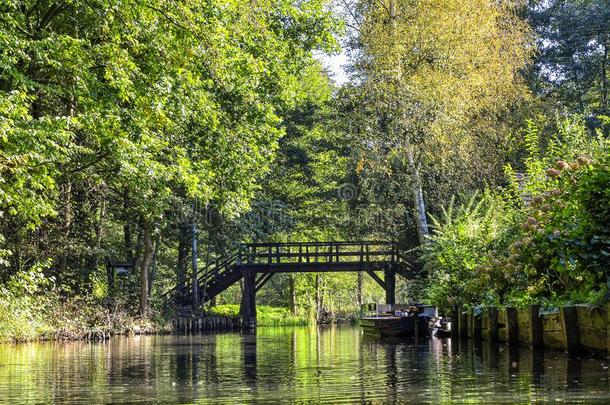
463 237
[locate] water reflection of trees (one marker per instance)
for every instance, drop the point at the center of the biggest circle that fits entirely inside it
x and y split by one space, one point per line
294 364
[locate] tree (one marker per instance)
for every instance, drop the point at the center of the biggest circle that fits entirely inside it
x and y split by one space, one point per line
434 79
112 111
574 43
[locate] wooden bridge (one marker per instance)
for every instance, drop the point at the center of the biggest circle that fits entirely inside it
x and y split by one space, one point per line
256 263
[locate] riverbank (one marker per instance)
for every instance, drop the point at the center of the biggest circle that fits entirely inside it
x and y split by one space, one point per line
571 328
28 318
25 320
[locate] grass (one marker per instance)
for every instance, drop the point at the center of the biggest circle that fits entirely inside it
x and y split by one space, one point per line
265 315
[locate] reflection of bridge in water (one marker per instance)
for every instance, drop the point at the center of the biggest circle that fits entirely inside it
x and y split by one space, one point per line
330 364
256 263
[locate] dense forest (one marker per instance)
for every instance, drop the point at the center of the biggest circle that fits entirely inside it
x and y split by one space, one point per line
161 134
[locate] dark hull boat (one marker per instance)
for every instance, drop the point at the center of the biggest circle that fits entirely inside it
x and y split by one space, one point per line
392 326
396 320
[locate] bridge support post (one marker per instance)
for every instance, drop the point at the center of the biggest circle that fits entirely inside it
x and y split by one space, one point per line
248 299
390 285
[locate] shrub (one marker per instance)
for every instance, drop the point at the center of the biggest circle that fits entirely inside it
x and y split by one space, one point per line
544 238
462 240
24 306
32 309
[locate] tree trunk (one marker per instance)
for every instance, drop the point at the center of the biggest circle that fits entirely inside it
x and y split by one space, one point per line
66 228
183 251
99 225
144 265
604 73
195 274
359 290
137 254
293 296
153 271
127 238
421 221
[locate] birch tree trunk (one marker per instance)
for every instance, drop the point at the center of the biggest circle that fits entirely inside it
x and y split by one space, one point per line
421 221
144 266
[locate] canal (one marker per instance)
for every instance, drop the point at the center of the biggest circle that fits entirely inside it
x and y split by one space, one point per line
294 364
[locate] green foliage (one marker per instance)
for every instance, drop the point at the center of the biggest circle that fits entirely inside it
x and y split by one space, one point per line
428 111
574 43
24 309
557 255
31 308
122 122
553 244
116 115
462 240
564 248
265 315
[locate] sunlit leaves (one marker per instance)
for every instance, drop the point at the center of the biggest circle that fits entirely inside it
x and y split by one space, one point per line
118 110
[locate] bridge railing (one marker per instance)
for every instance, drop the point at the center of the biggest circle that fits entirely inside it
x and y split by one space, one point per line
217 267
318 252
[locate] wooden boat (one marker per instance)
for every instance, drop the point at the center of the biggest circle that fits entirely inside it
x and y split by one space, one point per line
391 321
394 325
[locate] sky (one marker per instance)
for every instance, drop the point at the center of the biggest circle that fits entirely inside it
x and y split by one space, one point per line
334 63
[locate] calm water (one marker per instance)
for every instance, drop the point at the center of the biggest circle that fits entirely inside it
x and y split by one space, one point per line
296 364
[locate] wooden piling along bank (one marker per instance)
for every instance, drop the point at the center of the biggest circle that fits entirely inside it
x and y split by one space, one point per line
193 324
571 328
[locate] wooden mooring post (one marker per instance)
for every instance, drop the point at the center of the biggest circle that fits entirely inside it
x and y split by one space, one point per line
455 322
477 325
512 326
536 325
569 319
204 323
492 324
463 323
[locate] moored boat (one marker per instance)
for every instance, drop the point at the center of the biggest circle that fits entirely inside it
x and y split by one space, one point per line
396 320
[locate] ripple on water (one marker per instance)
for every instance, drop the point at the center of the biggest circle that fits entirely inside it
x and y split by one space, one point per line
299 364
